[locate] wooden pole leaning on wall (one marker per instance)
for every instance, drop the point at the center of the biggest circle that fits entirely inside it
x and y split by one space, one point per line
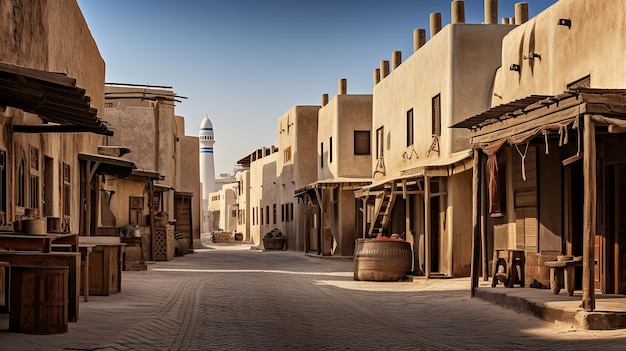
427 231
476 242
589 213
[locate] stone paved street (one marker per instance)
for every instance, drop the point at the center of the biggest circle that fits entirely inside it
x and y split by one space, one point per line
233 298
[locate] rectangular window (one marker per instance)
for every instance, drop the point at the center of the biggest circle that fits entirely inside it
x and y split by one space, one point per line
3 187
287 154
262 218
67 187
361 142
436 120
135 209
291 211
380 142
409 127
274 214
282 212
330 150
20 189
48 185
267 214
321 155
34 178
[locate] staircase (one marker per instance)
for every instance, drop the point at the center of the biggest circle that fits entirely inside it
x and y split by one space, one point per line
383 212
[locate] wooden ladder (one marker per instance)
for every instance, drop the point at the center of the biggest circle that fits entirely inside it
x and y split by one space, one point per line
383 212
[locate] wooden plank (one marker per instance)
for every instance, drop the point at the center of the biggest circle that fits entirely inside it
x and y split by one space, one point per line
45 76
589 218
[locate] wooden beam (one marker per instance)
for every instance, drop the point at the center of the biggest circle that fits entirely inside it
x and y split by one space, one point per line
482 220
476 242
52 129
616 129
589 214
523 124
427 231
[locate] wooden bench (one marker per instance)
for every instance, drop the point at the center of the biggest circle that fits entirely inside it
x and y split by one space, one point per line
562 274
68 259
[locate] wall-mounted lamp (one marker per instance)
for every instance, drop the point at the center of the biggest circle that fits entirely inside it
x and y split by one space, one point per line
515 67
565 22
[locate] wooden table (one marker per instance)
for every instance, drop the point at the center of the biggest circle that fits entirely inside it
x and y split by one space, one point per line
85 252
41 243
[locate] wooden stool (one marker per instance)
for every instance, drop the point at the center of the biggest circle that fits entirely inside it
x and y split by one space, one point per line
562 275
512 262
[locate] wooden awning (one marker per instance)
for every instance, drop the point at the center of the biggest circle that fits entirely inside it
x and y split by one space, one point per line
54 97
346 183
99 164
501 112
547 113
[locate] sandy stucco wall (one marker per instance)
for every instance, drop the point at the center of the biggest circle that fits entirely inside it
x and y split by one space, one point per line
458 63
243 201
188 177
51 36
305 154
339 119
594 45
354 113
263 192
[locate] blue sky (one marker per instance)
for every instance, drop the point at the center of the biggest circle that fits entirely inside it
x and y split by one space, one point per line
244 63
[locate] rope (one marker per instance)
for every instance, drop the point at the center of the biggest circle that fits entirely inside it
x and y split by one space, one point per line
523 159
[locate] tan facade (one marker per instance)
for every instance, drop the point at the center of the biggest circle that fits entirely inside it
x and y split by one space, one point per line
48 36
421 168
166 182
344 164
264 193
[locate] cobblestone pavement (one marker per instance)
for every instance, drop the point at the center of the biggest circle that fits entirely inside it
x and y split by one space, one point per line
233 298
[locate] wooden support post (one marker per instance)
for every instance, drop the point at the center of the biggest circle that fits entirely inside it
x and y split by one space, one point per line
589 213
482 220
365 200
427 231
476 242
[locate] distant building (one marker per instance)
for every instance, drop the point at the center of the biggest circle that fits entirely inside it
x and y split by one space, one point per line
332 222
162 153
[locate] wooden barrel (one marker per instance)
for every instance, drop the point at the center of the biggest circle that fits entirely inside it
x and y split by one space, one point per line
39 299
381 260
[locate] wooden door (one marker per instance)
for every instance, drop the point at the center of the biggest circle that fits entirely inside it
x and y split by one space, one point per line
182 213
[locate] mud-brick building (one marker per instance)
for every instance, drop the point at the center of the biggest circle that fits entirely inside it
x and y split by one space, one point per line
51 98
264 197
549 158
421 169
274 175
343 164
161 196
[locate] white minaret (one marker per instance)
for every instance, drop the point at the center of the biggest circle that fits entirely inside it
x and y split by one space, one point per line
207 164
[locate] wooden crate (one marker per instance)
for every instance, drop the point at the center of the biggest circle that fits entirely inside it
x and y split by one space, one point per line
42 306
105 269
